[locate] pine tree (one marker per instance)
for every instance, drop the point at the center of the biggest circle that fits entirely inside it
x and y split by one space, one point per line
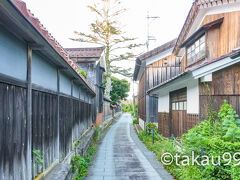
107 31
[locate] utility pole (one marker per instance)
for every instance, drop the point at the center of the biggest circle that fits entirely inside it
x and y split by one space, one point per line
150 38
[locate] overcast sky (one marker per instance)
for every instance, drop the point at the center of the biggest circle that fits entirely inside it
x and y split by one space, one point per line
62 17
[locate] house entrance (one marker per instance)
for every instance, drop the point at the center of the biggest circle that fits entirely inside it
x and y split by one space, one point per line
178 112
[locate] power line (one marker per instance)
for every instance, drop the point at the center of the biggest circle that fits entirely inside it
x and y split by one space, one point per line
150 38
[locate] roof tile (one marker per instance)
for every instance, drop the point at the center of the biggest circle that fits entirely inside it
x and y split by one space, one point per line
21 6
94 52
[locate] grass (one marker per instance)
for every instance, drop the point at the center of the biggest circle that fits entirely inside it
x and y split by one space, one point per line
160 146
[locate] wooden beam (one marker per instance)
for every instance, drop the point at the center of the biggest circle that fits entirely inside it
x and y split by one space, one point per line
35 46
72 87
58 114
29 113
11 80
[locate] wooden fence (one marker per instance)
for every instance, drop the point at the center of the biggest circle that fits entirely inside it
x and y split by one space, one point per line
181 122
13 132
51 137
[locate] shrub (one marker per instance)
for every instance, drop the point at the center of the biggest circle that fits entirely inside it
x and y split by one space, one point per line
151 125
135 121
216 136
82 72
80 164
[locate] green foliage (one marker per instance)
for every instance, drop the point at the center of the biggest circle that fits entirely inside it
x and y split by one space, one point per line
151 125
215 136
38 157
135 110
80 164
96 133
106 31
229 122
129 108
120 89
161 145
82 72
75 145
135 121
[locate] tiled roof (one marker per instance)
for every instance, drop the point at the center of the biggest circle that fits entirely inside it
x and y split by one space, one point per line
197 5
157 50
85 52
151 53
26 13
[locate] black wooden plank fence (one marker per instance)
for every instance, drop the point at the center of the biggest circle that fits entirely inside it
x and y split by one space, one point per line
44 129
13 132
75 116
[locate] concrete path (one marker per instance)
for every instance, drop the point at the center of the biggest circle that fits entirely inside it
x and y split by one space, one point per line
119 157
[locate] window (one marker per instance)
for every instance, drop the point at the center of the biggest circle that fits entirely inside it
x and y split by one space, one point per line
185 105
173 106
176 106
196 51
180 106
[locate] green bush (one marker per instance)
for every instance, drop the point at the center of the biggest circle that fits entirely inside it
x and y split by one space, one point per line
151 125
129 108
80 164
135 121
216 136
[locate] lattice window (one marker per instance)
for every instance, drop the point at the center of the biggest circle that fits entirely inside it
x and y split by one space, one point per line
196 51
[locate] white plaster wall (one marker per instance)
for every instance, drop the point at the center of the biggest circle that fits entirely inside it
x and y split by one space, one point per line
163 103
193 96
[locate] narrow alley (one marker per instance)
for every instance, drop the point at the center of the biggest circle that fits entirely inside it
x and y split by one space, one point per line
120 156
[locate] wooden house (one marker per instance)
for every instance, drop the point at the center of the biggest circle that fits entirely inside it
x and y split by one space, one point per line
152 68
209 51
91 61
45 102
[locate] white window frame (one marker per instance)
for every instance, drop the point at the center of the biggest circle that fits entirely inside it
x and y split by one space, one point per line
198 46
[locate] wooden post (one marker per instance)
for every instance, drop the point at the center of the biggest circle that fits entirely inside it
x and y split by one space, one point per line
71 87
170 116
29 113
79 109
72 125
58 115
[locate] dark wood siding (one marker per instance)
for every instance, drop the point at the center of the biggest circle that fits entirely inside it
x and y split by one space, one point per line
162 70
225 85
156 73
142 98
164 124
44 129
192 121
66 113
185 122
13 132
180 121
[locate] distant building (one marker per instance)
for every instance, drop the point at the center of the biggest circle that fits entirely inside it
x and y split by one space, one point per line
89 60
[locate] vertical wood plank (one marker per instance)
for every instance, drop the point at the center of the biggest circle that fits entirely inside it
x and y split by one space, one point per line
29 113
